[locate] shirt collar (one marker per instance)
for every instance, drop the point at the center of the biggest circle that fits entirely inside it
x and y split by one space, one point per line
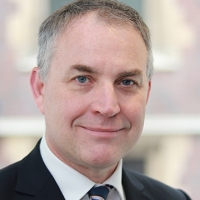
116 180
66 177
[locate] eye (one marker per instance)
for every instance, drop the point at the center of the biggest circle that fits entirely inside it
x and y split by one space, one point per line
127 82
82 79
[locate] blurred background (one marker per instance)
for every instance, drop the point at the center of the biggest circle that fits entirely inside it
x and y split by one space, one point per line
170 145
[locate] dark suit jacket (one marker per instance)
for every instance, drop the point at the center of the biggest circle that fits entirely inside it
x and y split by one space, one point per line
30 179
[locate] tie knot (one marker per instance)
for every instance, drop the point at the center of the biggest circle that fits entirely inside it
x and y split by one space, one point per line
99 193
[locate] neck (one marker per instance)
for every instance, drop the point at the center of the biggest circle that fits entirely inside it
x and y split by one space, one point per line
95 174
98 175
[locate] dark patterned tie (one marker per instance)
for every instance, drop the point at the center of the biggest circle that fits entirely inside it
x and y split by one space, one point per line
99 193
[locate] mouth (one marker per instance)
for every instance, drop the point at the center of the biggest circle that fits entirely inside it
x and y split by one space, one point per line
102 132
102 129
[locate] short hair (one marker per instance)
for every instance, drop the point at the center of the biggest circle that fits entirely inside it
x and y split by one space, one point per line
110 11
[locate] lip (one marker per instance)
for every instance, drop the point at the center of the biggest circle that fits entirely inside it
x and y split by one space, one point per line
104 132
101 129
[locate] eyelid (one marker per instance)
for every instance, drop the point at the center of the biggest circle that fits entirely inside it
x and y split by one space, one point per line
133 82
128 79
89 79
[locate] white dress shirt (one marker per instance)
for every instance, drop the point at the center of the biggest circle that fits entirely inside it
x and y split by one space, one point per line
75 185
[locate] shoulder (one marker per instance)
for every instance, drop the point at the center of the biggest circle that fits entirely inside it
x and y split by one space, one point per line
154 188
9 172
146 181
8 179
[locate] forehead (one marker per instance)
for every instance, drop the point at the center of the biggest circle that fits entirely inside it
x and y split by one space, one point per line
90 24
90 41
95 19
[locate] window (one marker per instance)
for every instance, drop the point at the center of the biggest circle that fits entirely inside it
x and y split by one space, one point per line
55 4
137 4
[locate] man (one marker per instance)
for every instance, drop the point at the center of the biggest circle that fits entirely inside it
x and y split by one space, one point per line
92 84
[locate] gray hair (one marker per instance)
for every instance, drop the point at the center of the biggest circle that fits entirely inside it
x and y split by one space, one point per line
110 11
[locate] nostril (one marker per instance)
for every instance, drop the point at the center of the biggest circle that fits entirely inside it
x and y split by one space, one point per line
106 110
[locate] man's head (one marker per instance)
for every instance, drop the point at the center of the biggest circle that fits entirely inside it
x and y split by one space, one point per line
109 11
95 94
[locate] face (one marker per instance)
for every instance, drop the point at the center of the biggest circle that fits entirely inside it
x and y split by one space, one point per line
95 97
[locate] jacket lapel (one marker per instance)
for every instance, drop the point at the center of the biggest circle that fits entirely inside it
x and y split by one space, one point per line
34 180
133 188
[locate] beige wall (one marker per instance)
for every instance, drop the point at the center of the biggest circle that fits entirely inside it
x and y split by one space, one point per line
23 23
170 31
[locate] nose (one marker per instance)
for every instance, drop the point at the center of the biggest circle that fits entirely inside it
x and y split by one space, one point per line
105 101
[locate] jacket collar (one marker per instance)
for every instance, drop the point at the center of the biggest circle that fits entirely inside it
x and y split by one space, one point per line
35 180
133 188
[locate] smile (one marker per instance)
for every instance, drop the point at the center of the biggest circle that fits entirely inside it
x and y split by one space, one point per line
102 129
104 133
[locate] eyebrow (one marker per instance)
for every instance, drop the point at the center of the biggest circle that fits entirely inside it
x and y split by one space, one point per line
84 68
125 74
88 69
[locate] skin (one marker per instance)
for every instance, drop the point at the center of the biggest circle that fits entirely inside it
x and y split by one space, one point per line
95 96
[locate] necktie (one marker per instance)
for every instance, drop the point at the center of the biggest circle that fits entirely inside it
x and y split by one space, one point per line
99 193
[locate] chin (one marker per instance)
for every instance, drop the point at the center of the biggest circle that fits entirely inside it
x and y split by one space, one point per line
103 161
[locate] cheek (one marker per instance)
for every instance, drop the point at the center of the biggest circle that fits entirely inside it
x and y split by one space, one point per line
134 109
134 112
64 107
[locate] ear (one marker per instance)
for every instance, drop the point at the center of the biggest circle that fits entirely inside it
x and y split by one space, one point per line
148 91
37 87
